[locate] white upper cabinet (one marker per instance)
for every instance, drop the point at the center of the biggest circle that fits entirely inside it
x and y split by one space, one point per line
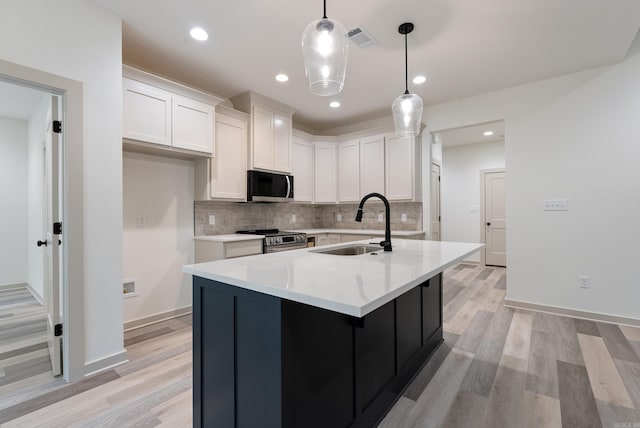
224 175
325 162
147 113
402 169
372 171
349 171
168 115
193 124
270 132
302 169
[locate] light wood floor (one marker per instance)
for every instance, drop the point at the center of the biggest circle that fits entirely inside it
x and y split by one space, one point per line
498 367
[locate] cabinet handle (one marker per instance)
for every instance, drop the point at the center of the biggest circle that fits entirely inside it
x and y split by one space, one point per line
488 223
41 243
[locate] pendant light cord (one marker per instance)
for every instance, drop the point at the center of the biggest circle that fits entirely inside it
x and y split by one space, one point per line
406 66
324 16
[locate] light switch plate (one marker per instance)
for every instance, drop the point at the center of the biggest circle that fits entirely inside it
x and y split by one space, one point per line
338 217
380 217
556 205
403 217
212 220
293 218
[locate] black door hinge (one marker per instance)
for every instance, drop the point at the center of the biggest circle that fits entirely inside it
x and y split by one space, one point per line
439 218
57 228
438 178
57 126
57 330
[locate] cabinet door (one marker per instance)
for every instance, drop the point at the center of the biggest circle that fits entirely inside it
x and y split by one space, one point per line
400 168
322 239
349 172
333 238
282 144
372 165
302 169
193 124
229 165
262 138
324 170
146 113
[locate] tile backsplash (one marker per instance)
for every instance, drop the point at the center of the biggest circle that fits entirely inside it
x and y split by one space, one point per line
233 216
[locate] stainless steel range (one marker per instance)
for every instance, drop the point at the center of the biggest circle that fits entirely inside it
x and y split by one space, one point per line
276 241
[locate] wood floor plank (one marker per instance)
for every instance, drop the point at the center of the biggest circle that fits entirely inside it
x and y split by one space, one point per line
630 375
467 408
400 414
586 327
617 343
422 379
577 403
459 323
451 292
474 334
541 411
490 349
605 380
479 377
501 284
542 375
616 416
506 402
484 274
146 336
519 336
631 333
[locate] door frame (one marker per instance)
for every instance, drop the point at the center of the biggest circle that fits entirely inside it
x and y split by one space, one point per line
437 163
483 230
71 93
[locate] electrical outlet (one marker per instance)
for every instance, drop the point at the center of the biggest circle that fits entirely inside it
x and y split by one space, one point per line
293 218
584 281
142 221
338 217
556 205
403 217
380 217
212 220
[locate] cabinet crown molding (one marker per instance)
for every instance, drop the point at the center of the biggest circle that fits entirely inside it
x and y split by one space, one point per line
169 85
245 100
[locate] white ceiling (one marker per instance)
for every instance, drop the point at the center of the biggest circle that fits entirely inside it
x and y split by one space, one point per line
471 134
465 47
18 102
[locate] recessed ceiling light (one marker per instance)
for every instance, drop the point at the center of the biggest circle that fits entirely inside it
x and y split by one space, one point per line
488 133
418 80
199 34
282 77
334 104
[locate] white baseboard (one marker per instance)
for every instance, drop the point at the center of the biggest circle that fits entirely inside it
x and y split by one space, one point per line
104 364
12 286
35 294
574 313
153 319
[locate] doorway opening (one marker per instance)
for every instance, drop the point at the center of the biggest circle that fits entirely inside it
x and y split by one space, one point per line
463 153
30 273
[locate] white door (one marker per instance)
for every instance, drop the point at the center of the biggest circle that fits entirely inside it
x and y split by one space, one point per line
495 218
435 202
52 245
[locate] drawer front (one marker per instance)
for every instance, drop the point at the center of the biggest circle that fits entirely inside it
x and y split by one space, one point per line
242 248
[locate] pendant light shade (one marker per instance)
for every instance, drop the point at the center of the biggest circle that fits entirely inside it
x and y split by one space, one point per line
407 108
325 47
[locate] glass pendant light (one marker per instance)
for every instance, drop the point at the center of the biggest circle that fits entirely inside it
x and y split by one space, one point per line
325 47
407 108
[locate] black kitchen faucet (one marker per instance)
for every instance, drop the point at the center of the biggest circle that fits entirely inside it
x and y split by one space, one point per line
387 231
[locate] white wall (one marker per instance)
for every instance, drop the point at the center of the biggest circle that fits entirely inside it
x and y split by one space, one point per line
575 137
460 188
35 192
78 40
13 189
161 190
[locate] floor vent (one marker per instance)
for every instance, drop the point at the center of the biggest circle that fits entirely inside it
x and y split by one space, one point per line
360 37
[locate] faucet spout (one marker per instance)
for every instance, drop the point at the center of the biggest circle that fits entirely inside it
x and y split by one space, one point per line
387 231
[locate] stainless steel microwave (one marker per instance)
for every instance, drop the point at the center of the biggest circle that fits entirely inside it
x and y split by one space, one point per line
269 187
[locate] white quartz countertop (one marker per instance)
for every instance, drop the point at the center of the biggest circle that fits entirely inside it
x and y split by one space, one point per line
353 285
232 237
372 232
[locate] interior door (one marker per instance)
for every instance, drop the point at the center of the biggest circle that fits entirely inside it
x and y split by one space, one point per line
435 202
52 249
495 218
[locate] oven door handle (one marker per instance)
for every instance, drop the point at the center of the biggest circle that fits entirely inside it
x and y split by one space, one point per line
288 186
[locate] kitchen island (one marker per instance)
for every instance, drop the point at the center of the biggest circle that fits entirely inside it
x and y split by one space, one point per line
302 338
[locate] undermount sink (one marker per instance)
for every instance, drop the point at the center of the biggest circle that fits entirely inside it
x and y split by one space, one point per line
351 250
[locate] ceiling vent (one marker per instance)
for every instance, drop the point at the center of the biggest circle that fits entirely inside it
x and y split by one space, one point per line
360 37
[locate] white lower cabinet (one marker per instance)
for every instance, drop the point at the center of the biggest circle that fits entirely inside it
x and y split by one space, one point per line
208 251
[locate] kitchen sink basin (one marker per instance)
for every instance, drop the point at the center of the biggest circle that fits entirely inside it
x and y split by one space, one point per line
351 250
